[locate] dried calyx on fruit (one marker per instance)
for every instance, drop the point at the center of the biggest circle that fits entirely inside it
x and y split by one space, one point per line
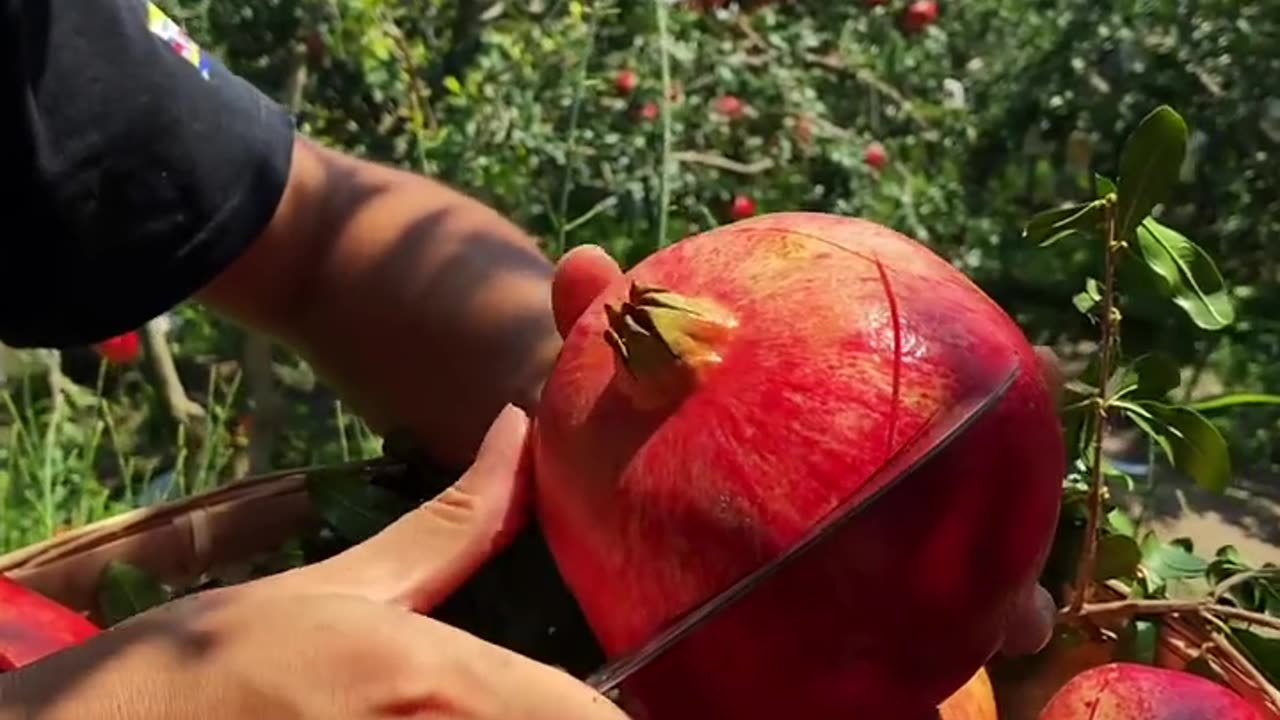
710 406
665 341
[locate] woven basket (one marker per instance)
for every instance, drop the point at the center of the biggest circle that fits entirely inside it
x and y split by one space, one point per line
182 541
175 542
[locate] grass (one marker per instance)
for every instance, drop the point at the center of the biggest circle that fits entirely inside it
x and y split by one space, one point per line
72 454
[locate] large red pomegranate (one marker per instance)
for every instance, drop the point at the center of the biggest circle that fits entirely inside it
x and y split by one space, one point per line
709 407
1129 691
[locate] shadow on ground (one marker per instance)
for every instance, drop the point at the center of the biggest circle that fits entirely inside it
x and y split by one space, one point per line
1246 515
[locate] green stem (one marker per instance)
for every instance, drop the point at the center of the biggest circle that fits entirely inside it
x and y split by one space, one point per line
570 147
1110 333
664 176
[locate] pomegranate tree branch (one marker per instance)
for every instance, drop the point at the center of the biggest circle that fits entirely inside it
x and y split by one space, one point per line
694 157
1239 579
1177 607
183 409
1245 666
256 355
1110 329
871 80
664 176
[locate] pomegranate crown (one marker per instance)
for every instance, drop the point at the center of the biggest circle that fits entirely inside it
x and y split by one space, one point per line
655 331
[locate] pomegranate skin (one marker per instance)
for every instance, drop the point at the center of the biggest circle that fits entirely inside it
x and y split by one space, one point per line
849 337
33 626
1128 691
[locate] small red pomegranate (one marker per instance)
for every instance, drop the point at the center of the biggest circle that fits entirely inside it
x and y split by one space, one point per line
649 111
742 207
33 626
715 402
876 156
920 15
731 106
1128 691
122 349
317 49
626 81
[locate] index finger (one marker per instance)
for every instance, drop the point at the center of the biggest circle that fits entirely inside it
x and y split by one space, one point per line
421 558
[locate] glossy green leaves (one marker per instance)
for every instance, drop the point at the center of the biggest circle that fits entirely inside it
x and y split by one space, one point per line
1149 167
1173 267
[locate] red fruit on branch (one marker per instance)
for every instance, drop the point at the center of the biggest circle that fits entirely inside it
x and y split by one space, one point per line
33 626
920 15
1128 691
713 404
121 349
876 156
626 81
317 50
730 106
742 207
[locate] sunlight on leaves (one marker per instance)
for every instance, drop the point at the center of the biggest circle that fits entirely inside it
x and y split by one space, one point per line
1149 166
1186 274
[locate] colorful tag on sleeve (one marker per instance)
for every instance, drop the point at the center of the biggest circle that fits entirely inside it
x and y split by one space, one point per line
167 30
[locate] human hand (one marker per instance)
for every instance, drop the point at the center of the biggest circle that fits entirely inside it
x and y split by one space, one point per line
335 640
584 272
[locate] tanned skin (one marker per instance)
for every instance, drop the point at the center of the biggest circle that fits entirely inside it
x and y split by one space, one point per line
423 307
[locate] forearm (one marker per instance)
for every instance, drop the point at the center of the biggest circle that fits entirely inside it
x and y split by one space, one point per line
422 306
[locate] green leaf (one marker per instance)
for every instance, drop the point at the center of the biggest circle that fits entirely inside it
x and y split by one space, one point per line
125 590
1232 400
1192 444
1119 522
1087 300
1149 166
1050 226
1230 553
1148 424
1185 273
1081 388
1149 377
1106 186
351 506
1139 642
1264 652
1169 561
1118 557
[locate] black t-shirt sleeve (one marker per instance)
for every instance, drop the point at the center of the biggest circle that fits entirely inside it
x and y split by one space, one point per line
134 168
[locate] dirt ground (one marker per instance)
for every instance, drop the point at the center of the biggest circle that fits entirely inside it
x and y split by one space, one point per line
1247 515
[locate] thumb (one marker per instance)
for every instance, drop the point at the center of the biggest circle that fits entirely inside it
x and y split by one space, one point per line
417 561
581 275
1030 626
